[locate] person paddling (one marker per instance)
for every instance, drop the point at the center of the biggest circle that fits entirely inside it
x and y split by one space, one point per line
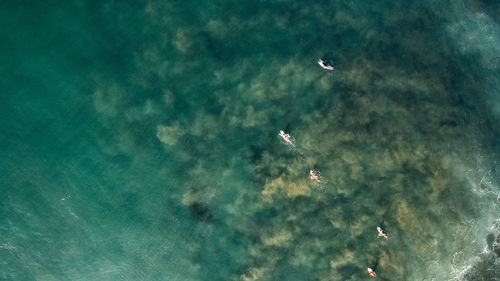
325 65
372 272
286 137
314 176
381 232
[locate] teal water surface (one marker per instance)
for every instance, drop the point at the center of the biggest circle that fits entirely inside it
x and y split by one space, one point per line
139 140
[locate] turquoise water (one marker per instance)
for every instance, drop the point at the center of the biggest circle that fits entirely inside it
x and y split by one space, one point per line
140 140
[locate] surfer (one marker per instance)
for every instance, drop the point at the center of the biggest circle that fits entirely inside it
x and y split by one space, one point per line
325 65
372 272
381 232
314 176
286 137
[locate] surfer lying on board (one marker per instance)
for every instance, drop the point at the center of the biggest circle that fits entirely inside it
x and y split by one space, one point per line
372 272
325 65
314 176
286 137
381 232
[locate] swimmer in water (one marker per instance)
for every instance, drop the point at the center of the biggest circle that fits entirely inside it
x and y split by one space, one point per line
325 65
381 232
372 272
314 176
286 137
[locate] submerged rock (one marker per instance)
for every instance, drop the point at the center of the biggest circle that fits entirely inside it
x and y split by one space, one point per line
200 212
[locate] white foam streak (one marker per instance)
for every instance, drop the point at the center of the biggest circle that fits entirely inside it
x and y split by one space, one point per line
460 274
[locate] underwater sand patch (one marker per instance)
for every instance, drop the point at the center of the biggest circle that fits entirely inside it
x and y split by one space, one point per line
358 226
400 156
356 173
204 125
277 239
438 183
181 40
169 134
168 97
108 100
217 28
253 274
255 118
290 188
406 217
390 267
345 258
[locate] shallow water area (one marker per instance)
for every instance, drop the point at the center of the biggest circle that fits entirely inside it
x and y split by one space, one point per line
140 140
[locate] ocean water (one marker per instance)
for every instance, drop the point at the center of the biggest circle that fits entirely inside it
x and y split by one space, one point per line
139 140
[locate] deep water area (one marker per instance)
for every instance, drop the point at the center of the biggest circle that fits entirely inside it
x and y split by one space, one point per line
139 140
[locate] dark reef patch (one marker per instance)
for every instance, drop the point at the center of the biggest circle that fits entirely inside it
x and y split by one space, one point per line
201 212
